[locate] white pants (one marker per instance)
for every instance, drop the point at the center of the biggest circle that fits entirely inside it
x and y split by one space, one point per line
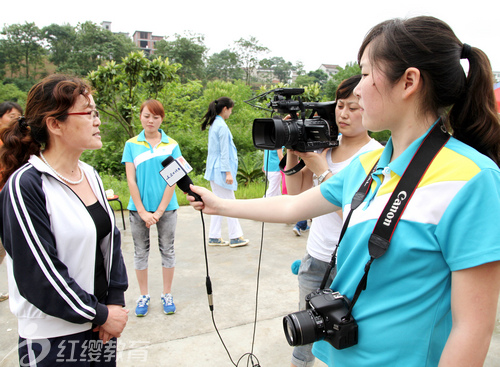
233 225
274 184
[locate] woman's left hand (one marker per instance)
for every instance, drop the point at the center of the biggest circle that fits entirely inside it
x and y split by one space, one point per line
229 178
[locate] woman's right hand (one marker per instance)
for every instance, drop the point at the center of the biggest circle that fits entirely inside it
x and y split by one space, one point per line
210 202
148 218
115 323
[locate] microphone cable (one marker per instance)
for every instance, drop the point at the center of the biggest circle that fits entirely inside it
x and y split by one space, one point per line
208 284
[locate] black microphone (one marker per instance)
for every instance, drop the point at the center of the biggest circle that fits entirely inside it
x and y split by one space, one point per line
184 181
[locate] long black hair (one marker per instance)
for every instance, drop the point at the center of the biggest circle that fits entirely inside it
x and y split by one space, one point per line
214 109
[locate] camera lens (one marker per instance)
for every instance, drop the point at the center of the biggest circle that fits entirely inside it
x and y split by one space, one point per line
303 328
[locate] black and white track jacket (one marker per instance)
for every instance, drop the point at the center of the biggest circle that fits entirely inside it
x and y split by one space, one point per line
50 239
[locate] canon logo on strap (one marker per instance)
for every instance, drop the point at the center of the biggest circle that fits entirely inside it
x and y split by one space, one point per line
394 208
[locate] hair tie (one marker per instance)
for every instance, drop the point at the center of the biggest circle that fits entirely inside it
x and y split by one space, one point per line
466 51
216 101
22 123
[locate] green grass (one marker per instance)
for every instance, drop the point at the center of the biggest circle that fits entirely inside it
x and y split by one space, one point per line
120 187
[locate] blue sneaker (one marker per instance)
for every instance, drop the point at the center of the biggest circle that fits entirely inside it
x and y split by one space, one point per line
299 231
168 303
142 306
238 242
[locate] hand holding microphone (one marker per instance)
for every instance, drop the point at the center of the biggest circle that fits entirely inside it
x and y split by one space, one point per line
175 173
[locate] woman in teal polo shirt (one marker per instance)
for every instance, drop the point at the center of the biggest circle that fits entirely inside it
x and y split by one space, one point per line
152 201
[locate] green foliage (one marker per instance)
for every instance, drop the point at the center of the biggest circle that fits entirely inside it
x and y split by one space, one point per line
91 46
250 167
22 48
61 40
120 88
107 159
9 92
189 51
331 86
381 136
282 69
119 187
225 65
249 51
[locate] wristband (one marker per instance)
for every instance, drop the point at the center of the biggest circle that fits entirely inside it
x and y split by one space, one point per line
323 176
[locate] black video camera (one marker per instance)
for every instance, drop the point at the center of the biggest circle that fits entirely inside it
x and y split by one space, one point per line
326 317
303 134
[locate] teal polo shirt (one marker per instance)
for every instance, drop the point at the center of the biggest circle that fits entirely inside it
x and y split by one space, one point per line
147 162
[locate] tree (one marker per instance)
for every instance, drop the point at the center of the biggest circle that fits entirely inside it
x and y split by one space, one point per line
282 69
189 51
121 87
61 40
93 46
22 48
225 65
303 80
299 68
319 75
248 51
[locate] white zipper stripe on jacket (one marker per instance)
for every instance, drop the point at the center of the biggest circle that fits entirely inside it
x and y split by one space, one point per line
50 272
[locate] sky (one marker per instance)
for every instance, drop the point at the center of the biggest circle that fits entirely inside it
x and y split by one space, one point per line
313 32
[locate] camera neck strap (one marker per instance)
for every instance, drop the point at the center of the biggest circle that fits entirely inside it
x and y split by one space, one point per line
386 224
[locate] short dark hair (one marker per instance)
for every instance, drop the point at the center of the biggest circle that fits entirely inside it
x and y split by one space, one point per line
6 107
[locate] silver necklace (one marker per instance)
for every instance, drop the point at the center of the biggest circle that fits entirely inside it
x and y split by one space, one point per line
61 176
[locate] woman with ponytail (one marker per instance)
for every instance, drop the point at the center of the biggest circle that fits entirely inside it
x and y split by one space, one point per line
430 297
221 169
67 277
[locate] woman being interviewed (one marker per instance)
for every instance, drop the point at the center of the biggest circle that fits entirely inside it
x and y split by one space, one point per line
66 273
221 168
431 298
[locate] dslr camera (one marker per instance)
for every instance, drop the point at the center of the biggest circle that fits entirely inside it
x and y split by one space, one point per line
326 317
301 133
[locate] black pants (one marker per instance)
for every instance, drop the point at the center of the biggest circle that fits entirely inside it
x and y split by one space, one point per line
83 349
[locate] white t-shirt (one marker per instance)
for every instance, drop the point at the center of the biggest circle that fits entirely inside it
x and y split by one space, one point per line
325 230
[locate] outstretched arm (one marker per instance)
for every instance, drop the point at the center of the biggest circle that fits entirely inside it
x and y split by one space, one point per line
277 209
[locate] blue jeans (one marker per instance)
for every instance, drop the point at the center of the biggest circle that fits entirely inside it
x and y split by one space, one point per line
302 225
311 273
166 236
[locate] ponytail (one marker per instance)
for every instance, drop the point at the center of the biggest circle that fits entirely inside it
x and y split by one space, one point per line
215 108
18 146
474 118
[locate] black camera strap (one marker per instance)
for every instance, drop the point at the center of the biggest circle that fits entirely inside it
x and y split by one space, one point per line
292 170
384 229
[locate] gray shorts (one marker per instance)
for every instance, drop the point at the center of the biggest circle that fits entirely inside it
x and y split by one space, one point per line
166 236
